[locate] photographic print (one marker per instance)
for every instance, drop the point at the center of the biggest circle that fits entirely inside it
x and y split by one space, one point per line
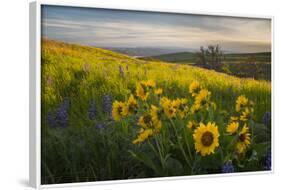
138 94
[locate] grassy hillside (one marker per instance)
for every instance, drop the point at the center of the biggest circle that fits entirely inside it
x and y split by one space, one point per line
81 142
190 57
263 57
92 72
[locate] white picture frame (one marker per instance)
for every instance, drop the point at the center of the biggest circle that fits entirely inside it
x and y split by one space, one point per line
35 92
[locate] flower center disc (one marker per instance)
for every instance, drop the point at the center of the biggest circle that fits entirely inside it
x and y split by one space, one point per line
119 109
242 137
171 111
147 119
207 138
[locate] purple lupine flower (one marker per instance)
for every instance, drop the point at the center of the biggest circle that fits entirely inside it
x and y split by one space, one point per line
107 104
51 119
267 161
228 167
92 112
49 80
62 114
266 119
60 117
127 67
121 71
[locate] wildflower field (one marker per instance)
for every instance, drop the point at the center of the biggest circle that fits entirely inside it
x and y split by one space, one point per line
108 116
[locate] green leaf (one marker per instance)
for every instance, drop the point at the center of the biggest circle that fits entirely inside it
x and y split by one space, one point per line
261 149
261 133
142 157
174 167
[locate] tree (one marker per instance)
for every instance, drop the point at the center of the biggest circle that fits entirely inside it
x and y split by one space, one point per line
201 56
211 57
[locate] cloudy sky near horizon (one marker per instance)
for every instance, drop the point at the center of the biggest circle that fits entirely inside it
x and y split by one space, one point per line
119 28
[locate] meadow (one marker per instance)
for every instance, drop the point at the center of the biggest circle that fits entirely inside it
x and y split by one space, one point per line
88 136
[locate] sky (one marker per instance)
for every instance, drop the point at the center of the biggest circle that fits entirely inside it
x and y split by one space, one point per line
121 28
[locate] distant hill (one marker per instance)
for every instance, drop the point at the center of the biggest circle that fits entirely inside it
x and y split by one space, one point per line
190 57
181 57
146 51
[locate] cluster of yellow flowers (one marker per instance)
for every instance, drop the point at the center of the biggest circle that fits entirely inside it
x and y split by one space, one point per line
238 125
201 95
172 108
122 109
144 87
152 117
150 124
206 136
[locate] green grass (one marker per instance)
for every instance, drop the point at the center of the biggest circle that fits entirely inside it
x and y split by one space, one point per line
81 74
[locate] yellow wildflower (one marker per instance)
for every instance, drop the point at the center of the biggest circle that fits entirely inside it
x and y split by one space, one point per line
154 111
132 101
125 109
233 118
202 96
244 139
232 127
149 121
172 107
117 109
206 138
182 107
145 121
190 125
143 135
176 103
194 88
132 104
241 102
200 100
246 115
169 109
148 83
195 108
141 92
158 91
163 100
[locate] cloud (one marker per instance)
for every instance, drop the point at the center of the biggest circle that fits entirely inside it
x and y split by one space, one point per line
105 29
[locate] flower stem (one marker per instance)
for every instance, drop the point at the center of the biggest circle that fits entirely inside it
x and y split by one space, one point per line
180 145
188 147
